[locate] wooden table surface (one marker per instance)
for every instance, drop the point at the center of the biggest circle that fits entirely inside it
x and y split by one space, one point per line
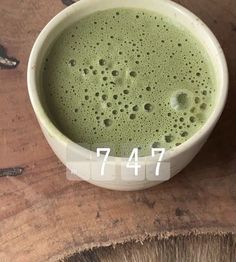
45 217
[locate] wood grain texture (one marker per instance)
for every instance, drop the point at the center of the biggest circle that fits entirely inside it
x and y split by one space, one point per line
45 217
192 248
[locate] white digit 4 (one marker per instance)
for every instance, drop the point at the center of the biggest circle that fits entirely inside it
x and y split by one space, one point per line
134 164
160 151
107 152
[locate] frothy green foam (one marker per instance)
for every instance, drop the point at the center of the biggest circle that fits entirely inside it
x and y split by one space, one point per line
128 78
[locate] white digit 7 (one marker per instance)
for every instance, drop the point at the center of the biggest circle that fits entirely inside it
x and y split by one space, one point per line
134 165
107 150
162 152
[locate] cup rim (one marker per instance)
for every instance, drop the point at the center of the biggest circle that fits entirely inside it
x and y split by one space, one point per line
54 132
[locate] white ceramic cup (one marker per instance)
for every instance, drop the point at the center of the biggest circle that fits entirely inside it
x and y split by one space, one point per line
84 162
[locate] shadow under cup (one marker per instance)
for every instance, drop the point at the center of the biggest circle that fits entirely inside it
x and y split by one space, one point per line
89 165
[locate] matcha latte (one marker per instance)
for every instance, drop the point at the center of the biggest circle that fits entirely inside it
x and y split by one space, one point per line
128 78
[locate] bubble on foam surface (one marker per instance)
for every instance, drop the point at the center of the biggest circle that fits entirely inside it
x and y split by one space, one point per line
192 119
197 100
133 74
169 138
184 134
132 116
134 81
148 107
115 73
104 97
86 71
107 122
156 145
181 100
102 62
72 62
203 106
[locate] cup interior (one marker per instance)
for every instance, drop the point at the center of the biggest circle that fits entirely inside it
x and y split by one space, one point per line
165 7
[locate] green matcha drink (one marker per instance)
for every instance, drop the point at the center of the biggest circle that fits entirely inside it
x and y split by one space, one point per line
128 78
